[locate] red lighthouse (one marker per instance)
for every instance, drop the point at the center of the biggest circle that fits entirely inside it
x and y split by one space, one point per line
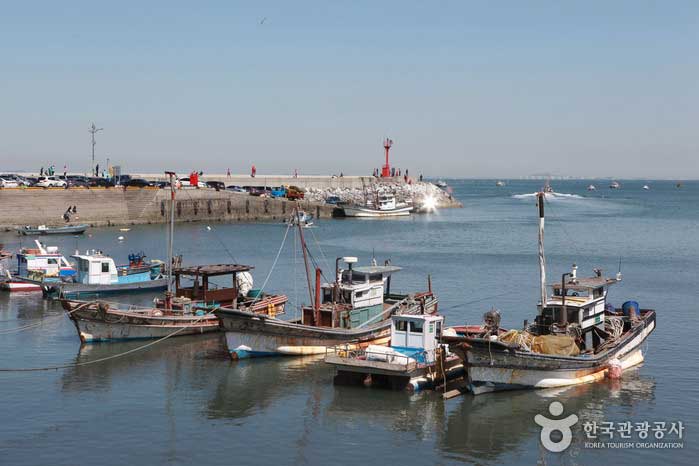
386 169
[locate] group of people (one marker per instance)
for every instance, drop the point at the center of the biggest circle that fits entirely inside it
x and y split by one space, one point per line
69 211
50 171
395 172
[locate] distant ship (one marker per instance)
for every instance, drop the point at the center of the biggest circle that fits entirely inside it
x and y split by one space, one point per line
441 184
614 185
499 183
591 188
646 187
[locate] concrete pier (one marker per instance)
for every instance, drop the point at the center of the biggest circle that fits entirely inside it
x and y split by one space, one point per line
127 206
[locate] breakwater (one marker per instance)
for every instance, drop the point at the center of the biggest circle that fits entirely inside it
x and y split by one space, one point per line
128 206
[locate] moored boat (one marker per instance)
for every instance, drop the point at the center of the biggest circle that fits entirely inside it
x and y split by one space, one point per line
414 360
356 308
97 273
577 337
384 206
614 185
54 230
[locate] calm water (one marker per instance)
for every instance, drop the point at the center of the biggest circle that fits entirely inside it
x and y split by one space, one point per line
184 402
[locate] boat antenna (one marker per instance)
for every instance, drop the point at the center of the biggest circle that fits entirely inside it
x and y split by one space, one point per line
618 274
93 130
170 240
542 258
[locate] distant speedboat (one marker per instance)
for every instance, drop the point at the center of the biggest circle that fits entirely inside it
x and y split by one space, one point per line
614 185
646 187
441 184
591 188
499 183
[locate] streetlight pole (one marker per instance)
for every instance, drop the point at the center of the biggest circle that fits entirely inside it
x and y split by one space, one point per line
92 130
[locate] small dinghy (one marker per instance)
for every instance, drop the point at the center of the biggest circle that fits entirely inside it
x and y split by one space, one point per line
48 230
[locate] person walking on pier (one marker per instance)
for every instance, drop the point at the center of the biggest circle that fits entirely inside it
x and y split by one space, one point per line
253 171
228 173
41 172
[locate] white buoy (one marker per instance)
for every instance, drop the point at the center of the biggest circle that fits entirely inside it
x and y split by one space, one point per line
208 227
120 238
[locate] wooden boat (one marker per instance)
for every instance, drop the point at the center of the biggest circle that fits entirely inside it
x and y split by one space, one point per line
183 311
385 206
415 359
356 308
49 230
577 336
99 274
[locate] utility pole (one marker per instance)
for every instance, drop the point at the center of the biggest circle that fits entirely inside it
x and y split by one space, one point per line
92 130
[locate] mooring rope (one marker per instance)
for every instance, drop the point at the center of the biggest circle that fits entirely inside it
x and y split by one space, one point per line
53 318
107 358
274 264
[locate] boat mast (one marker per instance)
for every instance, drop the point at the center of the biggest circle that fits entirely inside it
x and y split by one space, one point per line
170 239
542 259
305 254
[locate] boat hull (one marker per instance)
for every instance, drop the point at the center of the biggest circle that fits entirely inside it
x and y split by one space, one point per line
79 289
365 212
255 335
493 366
69 230
19 286
102 325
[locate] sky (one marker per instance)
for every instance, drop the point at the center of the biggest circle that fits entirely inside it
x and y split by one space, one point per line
464 88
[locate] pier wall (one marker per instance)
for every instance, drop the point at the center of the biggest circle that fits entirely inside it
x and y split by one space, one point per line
119 206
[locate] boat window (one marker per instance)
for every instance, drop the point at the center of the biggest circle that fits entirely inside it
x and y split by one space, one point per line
597 292
105 267
416 326
84 266
327 295
52 261
438 333
375 277
401 325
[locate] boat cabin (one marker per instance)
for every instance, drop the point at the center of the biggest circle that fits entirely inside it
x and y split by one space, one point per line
43 262
200 287
359 295
387 202
576 302
416 334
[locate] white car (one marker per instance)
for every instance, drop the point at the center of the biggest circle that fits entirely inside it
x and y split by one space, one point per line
184 182
50 182
8 183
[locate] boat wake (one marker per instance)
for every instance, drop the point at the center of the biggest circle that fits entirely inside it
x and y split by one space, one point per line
549 196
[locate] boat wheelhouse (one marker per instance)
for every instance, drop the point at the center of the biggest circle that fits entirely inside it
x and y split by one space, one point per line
43 263
384 205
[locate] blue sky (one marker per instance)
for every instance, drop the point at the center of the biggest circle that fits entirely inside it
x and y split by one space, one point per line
469 89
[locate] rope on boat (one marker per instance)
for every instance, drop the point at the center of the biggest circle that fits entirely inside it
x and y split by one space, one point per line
107 358
274 264
9 331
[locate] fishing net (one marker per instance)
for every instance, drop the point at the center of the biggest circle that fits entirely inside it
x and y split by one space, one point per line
560 345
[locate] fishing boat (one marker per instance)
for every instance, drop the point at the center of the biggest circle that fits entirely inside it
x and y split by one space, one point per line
441 184
356 308
36 267
646 187
98 274
577 337
54 230
300 217
499 183
592 187
614 185
384 206
414 360
186 309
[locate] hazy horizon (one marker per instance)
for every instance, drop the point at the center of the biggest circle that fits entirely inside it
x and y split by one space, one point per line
589 89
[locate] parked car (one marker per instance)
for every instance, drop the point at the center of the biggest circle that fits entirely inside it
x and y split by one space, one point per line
279 191
101 182
21 181
161 184
184 182
121 179
236 189
138 182
50 182
294 192
8 182
259 191
334 200
217 185
76 181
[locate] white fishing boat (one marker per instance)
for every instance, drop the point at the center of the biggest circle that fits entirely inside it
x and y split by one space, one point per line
385 206
646 187
499 183
441 184
614 185
577 337
592 187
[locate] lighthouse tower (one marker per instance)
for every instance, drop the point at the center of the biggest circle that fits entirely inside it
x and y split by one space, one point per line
386 169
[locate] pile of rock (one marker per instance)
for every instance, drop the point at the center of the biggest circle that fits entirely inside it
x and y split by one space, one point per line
414 193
